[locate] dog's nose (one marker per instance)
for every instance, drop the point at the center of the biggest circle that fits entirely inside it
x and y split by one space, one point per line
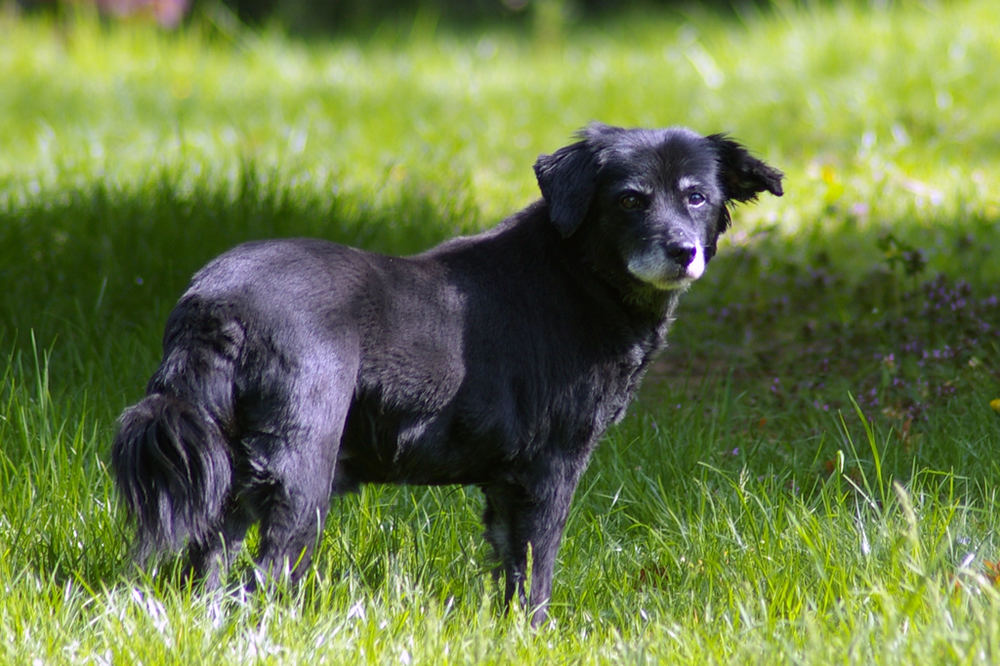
682 253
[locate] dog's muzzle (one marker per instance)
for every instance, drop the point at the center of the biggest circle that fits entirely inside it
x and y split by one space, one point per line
673 265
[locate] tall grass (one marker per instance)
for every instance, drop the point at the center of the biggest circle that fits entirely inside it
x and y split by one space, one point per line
807 475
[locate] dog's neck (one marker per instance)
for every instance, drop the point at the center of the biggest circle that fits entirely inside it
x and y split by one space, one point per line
628 302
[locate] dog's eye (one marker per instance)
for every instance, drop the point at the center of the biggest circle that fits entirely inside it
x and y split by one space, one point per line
696 199
631 201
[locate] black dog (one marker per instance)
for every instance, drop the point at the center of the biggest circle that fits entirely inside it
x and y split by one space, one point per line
295 369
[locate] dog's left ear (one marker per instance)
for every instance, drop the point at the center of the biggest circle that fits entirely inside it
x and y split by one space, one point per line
567 180
743 176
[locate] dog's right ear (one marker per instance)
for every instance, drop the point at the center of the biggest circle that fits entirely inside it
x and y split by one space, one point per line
567 179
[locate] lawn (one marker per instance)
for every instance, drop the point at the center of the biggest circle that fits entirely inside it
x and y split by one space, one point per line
809 473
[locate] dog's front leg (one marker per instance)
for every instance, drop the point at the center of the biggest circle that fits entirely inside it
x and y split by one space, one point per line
520 520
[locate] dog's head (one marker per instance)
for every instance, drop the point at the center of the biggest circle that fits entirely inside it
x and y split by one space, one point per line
652 203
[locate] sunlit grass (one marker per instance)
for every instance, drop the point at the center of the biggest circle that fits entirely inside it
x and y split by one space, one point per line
809 473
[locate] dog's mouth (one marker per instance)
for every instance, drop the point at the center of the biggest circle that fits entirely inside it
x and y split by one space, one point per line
673 266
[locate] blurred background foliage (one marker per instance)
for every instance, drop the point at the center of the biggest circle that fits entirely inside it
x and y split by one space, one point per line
338 16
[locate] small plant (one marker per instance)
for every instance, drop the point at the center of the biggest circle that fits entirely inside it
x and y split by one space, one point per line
901 255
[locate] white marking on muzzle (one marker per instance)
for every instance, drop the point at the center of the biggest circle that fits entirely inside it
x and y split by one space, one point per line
653 267
697 266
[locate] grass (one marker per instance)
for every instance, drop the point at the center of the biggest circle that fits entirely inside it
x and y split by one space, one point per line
808 475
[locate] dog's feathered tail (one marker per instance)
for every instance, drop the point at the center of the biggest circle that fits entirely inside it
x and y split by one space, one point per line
171 457
173 471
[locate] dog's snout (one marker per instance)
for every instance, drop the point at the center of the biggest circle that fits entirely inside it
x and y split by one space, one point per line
682 252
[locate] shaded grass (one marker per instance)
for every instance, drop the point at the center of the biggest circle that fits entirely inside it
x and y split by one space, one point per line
797 481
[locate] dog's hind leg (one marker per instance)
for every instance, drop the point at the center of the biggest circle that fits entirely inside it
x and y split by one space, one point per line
210 556
296 506
299 473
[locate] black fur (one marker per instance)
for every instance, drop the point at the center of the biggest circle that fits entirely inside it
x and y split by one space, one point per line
294 369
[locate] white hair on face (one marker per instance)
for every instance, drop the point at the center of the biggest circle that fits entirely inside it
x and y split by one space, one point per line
651 265
686 183
697 266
